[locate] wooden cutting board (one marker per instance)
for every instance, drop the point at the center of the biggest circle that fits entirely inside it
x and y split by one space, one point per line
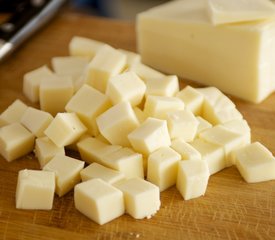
231 208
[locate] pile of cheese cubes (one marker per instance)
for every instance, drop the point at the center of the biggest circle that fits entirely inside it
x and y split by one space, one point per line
137 132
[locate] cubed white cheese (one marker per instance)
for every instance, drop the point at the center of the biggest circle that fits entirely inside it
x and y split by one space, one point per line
186 150
162 167
67 172
35 190
99 201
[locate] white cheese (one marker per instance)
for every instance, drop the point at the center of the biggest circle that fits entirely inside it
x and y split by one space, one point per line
99 201
186 150
67 172
35 190
142 198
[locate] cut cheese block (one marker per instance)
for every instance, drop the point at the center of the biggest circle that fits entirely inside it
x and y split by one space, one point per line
179 38
35 190
96 170
67 172
186 151
98 200
255 163
13 113
235 11
142 198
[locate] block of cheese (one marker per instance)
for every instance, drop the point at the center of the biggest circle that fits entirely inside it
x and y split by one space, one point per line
162 167
93 150
54 95
255 163
150 135
145 72
65 129
192 99
218 108
212 154
117 122
13 113
186 150
166 86
142 198
182 124
36 121
96 170
107 62
179 38
35 190
99 201
67 172
84 47
159 106
126 161
203 125
126 86
241 127
69 65
132 58
192 178
222 136
31 82
15 141
45 150
234 11
88 103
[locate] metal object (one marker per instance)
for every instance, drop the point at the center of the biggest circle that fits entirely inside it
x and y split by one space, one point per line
27 18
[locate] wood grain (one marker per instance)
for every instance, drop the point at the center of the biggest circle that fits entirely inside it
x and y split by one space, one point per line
231 208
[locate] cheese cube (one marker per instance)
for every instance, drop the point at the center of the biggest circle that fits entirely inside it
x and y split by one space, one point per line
179 38
142 198
255 163
139 114
203 125
93 150
166 86
96 170
145 72
126 161
192 178
35 190
241 127
217 108
126 87
221 136
67 172
15 141
107 63
163 167
36 121
182 124
131 57
45 150
84 47
13 113
88 103
186 150
212 154
54 95
65 129
73 146
193 100
158 106
117 122
31 82
150 135
69 66
99 201
224 12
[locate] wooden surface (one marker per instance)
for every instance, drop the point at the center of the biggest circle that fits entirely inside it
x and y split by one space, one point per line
231 208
